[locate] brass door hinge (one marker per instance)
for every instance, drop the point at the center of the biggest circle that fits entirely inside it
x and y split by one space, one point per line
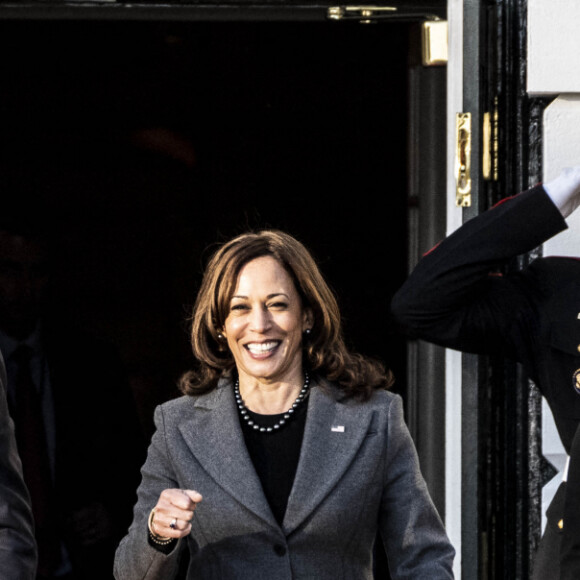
463 159
490 144
434 43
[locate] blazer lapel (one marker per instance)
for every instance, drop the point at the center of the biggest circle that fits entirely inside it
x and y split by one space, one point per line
334 432
215 438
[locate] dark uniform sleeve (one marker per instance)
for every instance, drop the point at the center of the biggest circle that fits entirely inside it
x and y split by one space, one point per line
456 297
17 544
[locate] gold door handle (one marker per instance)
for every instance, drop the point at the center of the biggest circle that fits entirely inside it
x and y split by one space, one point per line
463 160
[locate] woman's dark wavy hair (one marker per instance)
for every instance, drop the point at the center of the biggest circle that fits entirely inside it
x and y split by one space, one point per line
325 352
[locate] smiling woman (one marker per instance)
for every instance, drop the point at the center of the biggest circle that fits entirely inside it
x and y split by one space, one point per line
265 263
287 446
264 334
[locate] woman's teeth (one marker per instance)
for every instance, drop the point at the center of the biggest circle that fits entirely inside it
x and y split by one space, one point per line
261 347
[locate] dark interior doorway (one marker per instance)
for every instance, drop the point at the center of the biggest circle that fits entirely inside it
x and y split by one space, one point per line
136 146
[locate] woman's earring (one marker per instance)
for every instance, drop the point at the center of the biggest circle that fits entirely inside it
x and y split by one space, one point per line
221 340
307 331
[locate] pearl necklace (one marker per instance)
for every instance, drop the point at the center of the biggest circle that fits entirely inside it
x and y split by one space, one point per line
287 415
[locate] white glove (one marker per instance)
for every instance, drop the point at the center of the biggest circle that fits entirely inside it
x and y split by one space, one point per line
564 190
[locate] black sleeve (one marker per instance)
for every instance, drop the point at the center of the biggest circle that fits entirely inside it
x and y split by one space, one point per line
17 545
456 297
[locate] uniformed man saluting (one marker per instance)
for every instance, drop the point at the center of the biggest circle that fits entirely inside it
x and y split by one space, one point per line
453 299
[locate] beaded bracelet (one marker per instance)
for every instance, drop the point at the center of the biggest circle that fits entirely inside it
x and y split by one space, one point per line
155 537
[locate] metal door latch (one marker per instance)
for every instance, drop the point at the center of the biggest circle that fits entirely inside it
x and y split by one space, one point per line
463 160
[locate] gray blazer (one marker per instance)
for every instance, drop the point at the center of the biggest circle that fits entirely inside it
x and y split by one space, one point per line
17 544
357 474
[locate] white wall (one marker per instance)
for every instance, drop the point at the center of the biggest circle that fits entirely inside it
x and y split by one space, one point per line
562 149
553 46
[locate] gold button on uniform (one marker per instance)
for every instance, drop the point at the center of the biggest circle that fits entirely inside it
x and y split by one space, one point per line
561 524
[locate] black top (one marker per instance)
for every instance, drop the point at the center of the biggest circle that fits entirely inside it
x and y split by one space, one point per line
275 455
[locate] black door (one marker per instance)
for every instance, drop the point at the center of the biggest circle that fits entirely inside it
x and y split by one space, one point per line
137 137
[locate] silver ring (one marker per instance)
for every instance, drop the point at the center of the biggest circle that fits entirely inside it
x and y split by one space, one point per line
173 523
